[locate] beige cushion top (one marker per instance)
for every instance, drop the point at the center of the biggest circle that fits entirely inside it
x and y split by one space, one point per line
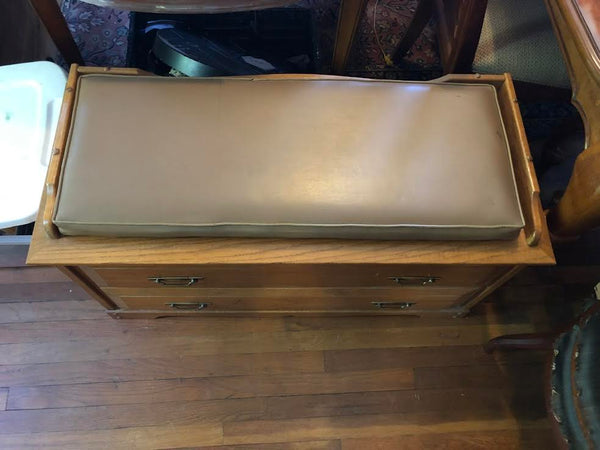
152 156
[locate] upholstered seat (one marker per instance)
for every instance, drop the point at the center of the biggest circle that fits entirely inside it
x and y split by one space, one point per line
347 158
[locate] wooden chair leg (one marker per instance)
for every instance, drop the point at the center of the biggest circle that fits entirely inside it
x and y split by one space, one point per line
349 16
528 341
423 15
538 341
579 208
51 16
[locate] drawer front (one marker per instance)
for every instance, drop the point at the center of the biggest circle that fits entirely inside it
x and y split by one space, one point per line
289 299
285 306
290 275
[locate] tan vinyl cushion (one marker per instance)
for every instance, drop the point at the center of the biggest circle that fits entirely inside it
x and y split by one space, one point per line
151 156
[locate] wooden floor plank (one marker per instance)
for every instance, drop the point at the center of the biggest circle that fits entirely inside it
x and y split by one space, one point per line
478 317
541 439
55 331
57 290
307 445
156 391
31 275
442 356
92 418
362 426
466 403
41 311
3 398
480 376
136 369
231 341
86 329
119 438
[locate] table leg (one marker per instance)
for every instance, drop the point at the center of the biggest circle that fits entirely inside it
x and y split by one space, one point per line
423 14
51 16
349 16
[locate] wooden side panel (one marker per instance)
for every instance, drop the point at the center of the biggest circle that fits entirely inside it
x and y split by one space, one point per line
527 184
23 37
50 14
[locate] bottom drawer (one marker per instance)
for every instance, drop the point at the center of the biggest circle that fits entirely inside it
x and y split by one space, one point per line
290 300
288 305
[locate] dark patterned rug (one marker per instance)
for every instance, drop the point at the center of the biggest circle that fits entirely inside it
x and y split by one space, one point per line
390 18
102 37
100 33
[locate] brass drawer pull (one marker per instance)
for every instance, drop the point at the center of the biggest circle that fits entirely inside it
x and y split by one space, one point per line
175 281
393 305
423 281
193 306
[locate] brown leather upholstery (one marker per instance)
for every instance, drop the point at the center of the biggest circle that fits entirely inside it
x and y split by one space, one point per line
151 156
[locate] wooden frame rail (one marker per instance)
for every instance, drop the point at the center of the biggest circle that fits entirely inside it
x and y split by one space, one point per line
527 184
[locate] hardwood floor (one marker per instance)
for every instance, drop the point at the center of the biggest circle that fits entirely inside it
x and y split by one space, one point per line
71 377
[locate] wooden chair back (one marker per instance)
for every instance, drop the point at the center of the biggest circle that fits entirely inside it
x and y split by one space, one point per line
459 28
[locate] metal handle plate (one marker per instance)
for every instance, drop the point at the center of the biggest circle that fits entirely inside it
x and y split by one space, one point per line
175 281
421 280
393 305
191 306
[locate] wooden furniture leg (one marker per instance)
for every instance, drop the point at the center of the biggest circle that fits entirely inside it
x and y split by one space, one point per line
349 16
527 341
537 341
423 14
51 16
459 28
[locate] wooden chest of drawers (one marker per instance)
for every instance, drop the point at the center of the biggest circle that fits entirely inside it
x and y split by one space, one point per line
282 288
149 277
141 278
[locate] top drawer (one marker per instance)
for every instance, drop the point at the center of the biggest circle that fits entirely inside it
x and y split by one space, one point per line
292 275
